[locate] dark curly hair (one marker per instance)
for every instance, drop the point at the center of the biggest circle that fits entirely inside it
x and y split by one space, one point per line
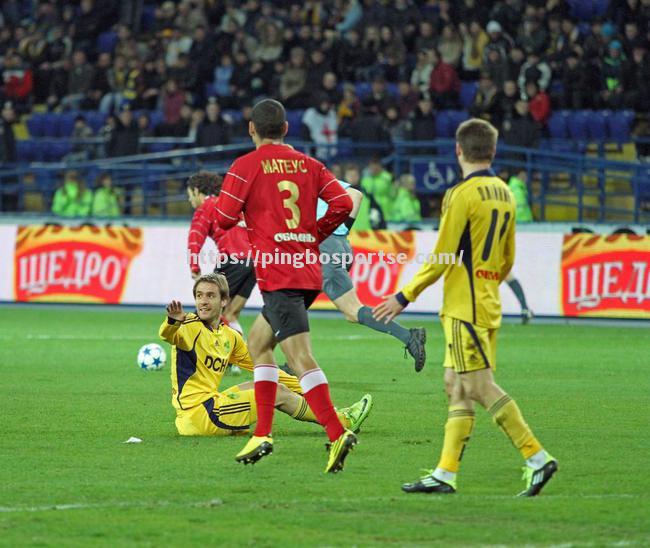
205 182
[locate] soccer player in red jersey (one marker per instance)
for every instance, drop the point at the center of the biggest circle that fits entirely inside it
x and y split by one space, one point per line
202 188
277 189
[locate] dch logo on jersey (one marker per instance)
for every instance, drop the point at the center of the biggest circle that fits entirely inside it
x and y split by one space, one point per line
73 264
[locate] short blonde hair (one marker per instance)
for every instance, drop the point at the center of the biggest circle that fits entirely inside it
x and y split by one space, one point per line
477 139
215 278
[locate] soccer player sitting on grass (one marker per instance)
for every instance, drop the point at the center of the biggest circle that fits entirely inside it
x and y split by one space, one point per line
202 349
478 218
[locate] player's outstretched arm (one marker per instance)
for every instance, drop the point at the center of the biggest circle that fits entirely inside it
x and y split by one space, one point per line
387 310
173 330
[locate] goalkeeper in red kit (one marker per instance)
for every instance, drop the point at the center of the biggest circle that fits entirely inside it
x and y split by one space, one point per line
277 189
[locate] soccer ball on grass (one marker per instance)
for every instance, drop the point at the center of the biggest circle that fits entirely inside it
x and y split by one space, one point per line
151 357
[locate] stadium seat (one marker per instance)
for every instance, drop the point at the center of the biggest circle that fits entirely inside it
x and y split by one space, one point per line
577 124
50 125
597 125
391 89
148 19
362 89
294 117
66 123
26 151
54 152
467 93
95 120
210 90
443 124
156 117
620 124
557 125
457 117
106 42
35 125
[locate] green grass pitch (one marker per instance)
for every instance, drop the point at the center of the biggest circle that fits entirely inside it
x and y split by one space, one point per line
71 394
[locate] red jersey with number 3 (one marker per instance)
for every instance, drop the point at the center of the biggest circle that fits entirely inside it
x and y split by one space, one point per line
277 188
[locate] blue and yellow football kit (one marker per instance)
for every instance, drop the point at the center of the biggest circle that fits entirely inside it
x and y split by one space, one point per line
478 219
200 355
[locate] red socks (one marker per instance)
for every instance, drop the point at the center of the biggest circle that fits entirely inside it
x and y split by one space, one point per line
266 385
317 393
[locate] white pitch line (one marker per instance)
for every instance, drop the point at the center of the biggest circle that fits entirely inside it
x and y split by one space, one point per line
356 500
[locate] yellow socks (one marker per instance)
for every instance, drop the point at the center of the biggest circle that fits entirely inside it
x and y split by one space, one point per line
304 413
458 430
507 415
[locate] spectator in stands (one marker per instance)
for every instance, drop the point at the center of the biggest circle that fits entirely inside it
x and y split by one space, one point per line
80 78
145 128
186 75
92 19
516 59
534 70
8 154
213 130
125 136
636 80
532 36
421 74
17 82
422 121
72 198
99 85
539 103
450 45
406 207
352 56
379 95
507 100
106 198
499 38
348 109
392 54
444 84
176 45
407 99
378 183
81 151
575 83
426 38
486 101
351 13
521 130
222 75
329 87
367 127
190 17
397 127
239 131
270 46
172 101
612 76
496 65
294 80
475 39
321 127
117 77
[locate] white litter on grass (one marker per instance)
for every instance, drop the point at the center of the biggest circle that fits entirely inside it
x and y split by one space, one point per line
133 439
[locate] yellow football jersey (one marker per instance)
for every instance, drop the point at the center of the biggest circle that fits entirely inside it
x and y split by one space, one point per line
200 355
478 218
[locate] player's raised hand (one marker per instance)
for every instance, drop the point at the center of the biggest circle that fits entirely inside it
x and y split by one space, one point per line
387 310
175 311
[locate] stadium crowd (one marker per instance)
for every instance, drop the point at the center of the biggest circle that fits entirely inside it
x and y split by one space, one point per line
193 59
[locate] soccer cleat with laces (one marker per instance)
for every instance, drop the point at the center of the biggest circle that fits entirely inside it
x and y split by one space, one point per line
416 347
338 450
536 479
526 315
429 484
256 448
357 413
233 370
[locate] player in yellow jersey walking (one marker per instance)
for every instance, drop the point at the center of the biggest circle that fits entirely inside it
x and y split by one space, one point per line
477 219
202 349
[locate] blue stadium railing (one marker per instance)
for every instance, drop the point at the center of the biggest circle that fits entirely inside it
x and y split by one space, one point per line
592 187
